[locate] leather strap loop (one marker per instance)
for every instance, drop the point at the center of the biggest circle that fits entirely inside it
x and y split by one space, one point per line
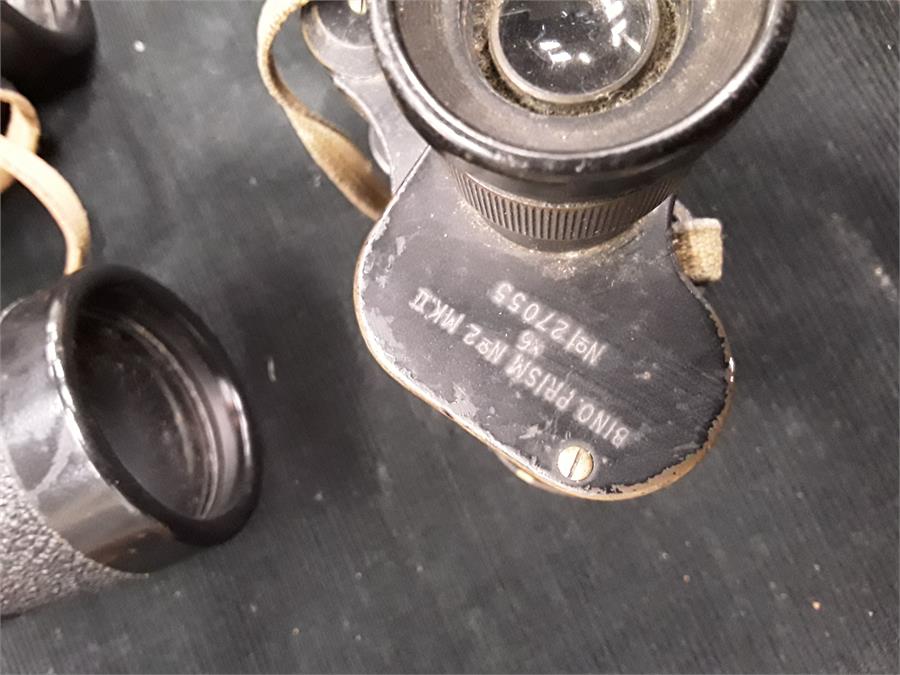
18 161
351 172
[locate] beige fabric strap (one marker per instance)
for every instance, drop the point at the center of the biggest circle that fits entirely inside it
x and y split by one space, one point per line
351 172
18 161
23 129
698 248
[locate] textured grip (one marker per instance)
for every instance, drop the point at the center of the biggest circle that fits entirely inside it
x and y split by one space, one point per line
38 565
565 222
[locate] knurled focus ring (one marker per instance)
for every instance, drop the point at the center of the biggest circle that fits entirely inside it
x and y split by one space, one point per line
563 224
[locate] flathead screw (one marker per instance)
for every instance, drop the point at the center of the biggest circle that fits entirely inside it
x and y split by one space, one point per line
575 462
359 6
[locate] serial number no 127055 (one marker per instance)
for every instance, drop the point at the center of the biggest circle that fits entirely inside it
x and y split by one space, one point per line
560 328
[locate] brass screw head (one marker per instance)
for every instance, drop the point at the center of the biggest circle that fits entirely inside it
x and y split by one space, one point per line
359 6
575 462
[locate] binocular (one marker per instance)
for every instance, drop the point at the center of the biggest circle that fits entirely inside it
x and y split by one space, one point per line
532 277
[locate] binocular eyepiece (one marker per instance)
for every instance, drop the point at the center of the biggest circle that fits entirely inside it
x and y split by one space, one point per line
565 121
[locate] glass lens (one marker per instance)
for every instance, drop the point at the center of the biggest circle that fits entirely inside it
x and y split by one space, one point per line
572 51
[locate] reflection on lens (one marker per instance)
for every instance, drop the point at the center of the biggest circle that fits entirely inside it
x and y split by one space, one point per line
572 51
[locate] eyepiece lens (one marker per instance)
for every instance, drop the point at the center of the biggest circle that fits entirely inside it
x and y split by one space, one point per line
572 51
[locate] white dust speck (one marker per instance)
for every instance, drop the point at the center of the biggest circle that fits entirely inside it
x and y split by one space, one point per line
357 576
384 478
139 47
252 181
295 631
884 279
358 637
461 404
318 496
270 369
253 608
816 605
420 569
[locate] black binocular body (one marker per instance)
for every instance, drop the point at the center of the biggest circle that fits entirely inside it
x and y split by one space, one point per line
533 277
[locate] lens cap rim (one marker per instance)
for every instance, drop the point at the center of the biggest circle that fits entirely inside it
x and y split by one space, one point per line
65 303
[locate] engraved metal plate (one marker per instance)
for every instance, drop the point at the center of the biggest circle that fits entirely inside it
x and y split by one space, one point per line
608 349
